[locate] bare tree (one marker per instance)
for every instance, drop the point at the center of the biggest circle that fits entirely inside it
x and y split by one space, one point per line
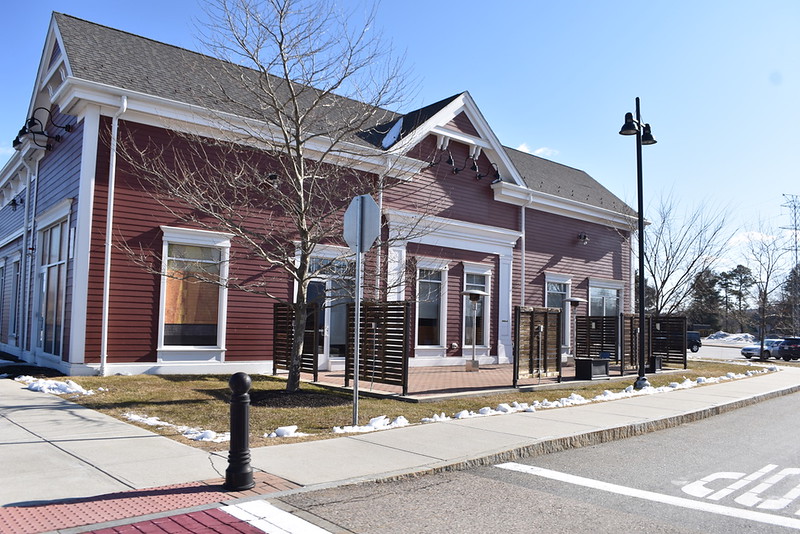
678 247
299 94
765 251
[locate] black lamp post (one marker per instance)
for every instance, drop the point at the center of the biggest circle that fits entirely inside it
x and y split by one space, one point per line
643 137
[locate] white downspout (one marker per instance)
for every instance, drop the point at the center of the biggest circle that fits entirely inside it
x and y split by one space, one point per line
112 172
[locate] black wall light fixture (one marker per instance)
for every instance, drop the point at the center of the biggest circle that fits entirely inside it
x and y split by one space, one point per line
35 130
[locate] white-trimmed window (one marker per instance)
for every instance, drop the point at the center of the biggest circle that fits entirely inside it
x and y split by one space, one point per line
557 291
477 278
431 302
193 295
605 297
13 312
53 245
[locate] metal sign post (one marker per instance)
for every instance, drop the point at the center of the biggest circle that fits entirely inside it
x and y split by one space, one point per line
362 225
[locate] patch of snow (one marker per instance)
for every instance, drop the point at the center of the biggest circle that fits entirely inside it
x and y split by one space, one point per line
376 423
195 434
285 432
725 337
55 387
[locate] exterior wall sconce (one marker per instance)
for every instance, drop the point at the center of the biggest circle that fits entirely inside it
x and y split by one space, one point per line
16 203
452 163
495 175
583 238
34 129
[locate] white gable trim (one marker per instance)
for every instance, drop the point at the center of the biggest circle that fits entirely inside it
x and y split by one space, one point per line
487 140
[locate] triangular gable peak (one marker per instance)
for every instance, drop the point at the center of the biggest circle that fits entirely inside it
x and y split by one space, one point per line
459 120
53 70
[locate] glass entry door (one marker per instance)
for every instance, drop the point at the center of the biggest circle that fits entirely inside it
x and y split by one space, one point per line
326 326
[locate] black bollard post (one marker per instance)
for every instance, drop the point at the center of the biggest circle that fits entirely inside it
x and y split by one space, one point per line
239 474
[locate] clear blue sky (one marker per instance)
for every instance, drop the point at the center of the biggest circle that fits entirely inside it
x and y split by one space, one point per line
719 82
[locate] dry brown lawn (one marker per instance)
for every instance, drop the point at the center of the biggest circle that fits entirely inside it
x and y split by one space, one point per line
202 402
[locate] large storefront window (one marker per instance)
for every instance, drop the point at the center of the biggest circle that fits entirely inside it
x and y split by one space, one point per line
475 282
558 291
603 301
191 307
52 287
193 293
429 307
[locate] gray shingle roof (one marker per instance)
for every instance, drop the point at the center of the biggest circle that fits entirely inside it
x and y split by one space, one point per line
120 59
573 184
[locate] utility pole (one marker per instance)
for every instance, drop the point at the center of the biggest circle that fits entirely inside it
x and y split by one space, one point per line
793 203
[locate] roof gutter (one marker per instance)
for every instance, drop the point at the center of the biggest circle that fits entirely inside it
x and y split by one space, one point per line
112 172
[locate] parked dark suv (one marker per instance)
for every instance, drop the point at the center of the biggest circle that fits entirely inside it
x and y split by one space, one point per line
693 342
790 348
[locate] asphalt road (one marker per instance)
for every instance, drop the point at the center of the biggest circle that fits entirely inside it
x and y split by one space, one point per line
737 472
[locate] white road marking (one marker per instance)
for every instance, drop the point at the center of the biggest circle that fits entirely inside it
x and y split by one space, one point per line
738 513
271 519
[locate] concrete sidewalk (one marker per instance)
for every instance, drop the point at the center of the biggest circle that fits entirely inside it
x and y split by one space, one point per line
53 450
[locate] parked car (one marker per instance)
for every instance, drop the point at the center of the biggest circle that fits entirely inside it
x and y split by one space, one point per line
790 348
693 342
771 348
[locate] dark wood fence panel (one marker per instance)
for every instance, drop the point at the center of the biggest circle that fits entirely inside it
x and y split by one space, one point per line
282 333
595 334
668 336
665 336
384 351
537 342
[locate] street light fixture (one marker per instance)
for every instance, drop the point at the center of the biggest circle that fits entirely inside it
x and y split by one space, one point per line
643 137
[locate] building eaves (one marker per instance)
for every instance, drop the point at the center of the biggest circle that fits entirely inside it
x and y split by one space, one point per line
553 178
116 58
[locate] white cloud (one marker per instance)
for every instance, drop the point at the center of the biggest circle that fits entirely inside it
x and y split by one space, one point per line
744 238
544 151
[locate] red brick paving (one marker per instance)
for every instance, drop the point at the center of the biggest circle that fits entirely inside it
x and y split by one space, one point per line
212 521
130 504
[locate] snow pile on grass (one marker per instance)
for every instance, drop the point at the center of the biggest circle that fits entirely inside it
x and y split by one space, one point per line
376 423
725 337
195 434
285 432
55 387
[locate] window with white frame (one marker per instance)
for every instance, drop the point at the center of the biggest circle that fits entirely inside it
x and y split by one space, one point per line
605 297
195 266
13 311
430 305
557 292
476 278
53 244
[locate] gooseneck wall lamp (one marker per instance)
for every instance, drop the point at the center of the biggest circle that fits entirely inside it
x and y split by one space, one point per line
634 126
36 130
493 171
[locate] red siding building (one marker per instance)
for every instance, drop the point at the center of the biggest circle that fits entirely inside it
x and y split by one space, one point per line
521 229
